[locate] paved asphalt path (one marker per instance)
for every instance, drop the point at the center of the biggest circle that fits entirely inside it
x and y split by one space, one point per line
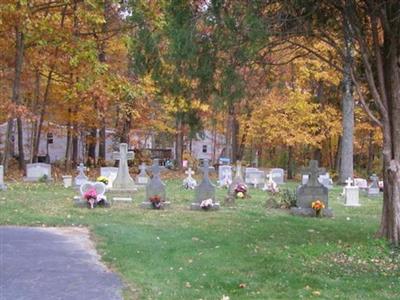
50 264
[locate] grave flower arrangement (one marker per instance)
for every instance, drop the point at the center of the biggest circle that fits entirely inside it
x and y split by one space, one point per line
318 206
241 191
156 201
102 179
206 204
92 198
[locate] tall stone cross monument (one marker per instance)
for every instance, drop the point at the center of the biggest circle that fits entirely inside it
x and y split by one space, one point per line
123 181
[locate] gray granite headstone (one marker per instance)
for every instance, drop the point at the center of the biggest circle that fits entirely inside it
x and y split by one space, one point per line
373 188
155 187
205 190
324 179
2 184
312 191
143 178
247 173
81 178
37 172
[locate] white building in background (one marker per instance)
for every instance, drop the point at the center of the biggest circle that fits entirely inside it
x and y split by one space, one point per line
53 141
206 146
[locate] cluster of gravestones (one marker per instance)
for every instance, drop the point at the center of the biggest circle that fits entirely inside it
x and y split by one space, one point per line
315 184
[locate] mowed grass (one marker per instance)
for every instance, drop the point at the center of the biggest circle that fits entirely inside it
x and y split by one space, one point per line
243 252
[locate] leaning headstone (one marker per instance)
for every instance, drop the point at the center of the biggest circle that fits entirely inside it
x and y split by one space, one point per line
224 175
189 182
155 189
38 172
205 192
110 173
351 194
361 183
143 178
312 191
99 188
81 178
2 184
123 185
278 175
373 188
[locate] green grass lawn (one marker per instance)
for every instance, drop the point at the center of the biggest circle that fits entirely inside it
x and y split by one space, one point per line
244 252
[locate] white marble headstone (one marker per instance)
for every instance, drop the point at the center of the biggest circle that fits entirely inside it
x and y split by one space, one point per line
110 173
361 183
224 175
2 185
36 171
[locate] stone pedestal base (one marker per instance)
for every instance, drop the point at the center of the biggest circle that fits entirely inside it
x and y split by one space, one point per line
196 206
148 205
309 212
121 195
79 202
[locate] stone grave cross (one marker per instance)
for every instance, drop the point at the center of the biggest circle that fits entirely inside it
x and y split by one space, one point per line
142 168
124 179
156 169
374 179
313 171
349 181
81 168
189 172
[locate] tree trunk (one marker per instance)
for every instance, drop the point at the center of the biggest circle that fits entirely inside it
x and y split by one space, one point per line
19 58
338 157
290 167
91 141
346 150
8 143
179 142
370 153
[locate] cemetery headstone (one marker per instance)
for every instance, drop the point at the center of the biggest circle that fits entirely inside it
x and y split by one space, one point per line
2 184
312 191
278 175
155 189
99 189
205 192
224 175
110 173
123 185
81 178
361 183
237 181
67 181
270 185
38 172
143 178
373 188
247 173
255 178
324 179
189 182
351 194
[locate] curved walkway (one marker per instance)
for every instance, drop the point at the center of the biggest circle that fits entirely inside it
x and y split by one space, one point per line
53 263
